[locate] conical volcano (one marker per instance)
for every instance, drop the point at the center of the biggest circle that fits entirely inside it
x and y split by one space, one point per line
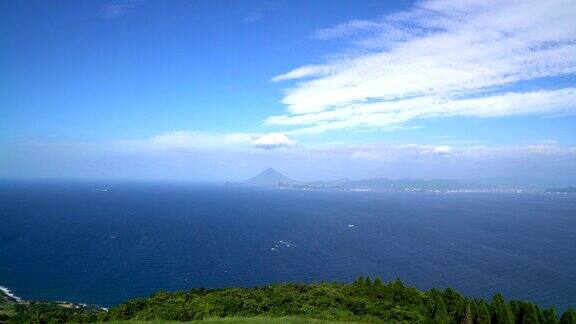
269 177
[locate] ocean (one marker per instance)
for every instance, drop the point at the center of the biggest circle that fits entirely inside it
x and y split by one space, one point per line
102 243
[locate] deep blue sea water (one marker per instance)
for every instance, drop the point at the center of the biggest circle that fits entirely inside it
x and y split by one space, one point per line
70 241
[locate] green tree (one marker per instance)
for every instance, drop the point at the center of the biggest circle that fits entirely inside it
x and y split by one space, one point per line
549 316
378 284
436 307
516 308
530 314
359 284
482 312
368 283
568 317
500 311
468 318
455 304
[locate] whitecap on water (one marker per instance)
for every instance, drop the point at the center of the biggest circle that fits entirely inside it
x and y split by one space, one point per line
9 293
282 245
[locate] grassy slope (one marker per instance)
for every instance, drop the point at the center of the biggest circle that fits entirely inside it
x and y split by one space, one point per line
241 320
6 307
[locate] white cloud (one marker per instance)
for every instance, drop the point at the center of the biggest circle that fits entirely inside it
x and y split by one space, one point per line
390 114
442 150
303 72
392 152
442 58
272 141
199 140
209 141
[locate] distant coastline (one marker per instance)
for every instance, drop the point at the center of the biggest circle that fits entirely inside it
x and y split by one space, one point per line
271 178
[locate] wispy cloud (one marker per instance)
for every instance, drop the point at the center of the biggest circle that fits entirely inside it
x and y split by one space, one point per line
442 58
261 11
388 114
118 9
208 141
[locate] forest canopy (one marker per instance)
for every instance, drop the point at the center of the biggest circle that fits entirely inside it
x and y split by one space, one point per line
365 300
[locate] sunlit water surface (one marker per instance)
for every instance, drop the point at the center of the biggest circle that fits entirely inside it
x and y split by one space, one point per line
102 243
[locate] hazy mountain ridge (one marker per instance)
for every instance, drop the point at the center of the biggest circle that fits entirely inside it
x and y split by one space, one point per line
273 178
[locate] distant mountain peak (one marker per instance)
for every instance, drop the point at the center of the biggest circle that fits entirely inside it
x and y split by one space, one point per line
269 177
272 171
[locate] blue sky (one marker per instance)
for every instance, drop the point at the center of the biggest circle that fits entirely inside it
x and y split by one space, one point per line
217 90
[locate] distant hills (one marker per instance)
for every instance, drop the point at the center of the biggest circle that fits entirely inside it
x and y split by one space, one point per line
269 177
273 178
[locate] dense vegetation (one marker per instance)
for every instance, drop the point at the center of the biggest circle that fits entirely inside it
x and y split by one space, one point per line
362 301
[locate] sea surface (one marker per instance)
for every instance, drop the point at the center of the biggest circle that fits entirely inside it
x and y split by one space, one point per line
102 243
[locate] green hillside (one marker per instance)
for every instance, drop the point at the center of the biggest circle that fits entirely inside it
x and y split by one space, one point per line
7 307
241 320
364 301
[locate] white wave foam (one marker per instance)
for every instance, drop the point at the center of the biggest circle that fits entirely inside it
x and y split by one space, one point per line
9 293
